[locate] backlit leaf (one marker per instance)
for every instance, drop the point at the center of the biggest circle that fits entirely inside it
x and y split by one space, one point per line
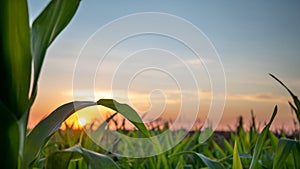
260 142
46 128
296 108
45 28
237 164
128 112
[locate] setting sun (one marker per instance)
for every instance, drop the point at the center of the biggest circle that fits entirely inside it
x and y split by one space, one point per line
82 121
74 122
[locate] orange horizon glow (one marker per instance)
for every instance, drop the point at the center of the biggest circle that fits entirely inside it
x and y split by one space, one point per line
233 109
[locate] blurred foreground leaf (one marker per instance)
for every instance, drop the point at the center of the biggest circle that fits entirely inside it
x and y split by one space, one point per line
61 159
285 147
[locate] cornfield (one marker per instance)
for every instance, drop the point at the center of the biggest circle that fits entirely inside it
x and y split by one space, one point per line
23 49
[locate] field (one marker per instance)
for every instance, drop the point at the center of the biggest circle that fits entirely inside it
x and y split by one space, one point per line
242 148
23 49
236 149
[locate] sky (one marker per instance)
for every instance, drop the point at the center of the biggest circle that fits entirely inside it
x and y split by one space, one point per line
159 75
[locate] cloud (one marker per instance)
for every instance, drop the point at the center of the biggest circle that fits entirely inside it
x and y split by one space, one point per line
168 96
266 97
198 61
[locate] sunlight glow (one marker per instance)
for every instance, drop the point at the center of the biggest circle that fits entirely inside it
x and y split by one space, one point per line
82 121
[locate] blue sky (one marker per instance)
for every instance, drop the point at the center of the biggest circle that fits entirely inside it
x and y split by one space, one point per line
253 38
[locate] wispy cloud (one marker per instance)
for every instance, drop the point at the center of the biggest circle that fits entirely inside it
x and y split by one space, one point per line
266 97
198 61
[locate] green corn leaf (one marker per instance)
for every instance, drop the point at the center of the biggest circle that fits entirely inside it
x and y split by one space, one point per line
274 140
260 142
45 28
205 135
61 159
127 112
15 60
296 155
179 165
211 164
183 145
96 160
228 147
217 148
46 128
9 138
237 164
285 147
99 132
296 108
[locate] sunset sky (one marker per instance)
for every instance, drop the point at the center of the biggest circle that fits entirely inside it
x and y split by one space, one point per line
252 38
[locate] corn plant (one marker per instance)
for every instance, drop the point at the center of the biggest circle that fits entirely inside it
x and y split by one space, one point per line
296 105
23 49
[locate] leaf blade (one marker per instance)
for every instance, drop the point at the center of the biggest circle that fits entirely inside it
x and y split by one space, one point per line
10 138
284 148
15 60
296 108
211 164
61 159
127 112
44 129
45 28
260 141
237 164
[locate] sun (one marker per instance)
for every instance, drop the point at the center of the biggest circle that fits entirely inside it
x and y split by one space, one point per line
82 121
74 122
87 116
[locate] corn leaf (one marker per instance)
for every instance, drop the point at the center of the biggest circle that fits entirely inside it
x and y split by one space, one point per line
260 142
296 108
179 165
15 68
46 128
237 164
61 159
205 135
218 149
228 147
45 28
296 155
15 60
127 112
274 140
99 132
211 164
9 138
285 147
